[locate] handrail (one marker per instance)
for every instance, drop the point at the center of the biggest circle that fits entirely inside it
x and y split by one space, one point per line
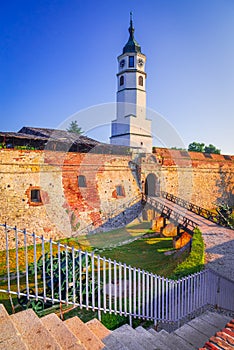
171 214
205 213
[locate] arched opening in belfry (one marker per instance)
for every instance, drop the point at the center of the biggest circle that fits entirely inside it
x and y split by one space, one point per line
152 185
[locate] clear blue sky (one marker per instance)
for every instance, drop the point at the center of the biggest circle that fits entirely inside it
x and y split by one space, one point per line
58 57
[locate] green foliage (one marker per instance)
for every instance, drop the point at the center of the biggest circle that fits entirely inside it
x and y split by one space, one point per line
74 127
178 148
62 274
212 149
24 147
112 321
225 211
196 147
200 147
195 261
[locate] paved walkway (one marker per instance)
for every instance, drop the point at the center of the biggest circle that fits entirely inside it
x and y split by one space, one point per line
219 241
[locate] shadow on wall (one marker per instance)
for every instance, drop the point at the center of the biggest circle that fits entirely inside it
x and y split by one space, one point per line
115 222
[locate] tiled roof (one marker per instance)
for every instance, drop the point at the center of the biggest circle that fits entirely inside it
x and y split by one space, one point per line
173 156
222 340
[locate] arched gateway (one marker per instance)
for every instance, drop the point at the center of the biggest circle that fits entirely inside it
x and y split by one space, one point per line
152 185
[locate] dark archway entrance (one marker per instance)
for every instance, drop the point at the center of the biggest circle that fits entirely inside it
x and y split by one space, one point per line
152 186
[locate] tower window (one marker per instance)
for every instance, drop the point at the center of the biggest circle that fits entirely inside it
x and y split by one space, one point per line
82 181
35 196
121 80
131 61
140 80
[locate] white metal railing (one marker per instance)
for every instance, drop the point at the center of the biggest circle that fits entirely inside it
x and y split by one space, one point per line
50 272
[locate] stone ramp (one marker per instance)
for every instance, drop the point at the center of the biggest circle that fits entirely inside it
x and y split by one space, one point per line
219 241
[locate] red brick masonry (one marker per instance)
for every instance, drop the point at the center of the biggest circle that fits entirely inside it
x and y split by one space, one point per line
222 340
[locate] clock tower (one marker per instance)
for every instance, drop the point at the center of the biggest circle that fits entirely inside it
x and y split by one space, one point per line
131 128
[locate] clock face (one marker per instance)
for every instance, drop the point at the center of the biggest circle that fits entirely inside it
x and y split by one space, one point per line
122 63
140 62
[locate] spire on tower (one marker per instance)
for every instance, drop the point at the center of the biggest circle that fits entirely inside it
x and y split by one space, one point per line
131 28
132 45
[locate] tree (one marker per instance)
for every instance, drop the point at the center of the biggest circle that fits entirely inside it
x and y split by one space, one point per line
196 147
74 127
200 147
212 149
178 148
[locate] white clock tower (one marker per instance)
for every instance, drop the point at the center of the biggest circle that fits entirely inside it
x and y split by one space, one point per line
131 128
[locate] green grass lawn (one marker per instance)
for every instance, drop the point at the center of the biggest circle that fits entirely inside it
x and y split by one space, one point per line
104 240
147 254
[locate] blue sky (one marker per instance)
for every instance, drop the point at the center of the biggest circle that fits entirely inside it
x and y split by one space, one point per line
59 57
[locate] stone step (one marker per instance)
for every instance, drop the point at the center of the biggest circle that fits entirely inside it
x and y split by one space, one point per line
98 328
131 338
203 326
105 335
192 336
10 337
153 337
64 337
33 332
215 319
113 343
88 339
171 341
159 341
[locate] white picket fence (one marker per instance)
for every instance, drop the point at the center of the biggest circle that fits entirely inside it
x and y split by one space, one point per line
51 272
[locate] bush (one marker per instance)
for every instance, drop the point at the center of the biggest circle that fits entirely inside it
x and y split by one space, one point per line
195 261
112 321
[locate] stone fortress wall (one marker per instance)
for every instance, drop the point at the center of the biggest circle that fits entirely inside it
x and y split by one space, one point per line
202 179
70 204
65 208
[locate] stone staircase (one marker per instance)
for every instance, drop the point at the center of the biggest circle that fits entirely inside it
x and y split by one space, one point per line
26 331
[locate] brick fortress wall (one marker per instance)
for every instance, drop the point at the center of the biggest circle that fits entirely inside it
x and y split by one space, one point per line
67 208
200 178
